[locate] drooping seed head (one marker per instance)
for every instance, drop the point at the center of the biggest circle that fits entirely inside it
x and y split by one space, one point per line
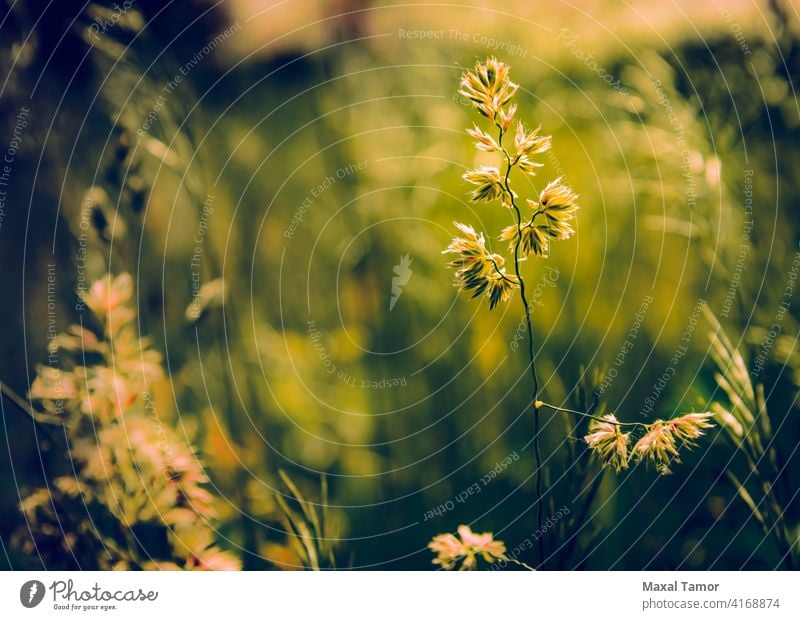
609 442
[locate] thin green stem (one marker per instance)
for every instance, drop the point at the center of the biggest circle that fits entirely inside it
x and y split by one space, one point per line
590 416
500 273
533 217
535 400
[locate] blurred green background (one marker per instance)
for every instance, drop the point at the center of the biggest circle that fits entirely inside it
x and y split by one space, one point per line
344 116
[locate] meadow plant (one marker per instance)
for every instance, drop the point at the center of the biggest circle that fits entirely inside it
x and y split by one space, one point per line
137 496
536 223
746 425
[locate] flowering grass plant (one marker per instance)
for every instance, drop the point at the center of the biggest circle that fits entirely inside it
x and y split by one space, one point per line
536 223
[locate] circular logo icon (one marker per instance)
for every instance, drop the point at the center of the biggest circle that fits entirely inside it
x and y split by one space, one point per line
31 593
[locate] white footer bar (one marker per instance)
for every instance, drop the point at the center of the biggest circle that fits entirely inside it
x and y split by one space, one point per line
389 595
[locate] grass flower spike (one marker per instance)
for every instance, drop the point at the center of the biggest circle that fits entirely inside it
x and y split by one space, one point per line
527 145
466 548
505 116
530 143
488 181
548 218
609 442
690 427
490 91
501 286
488 87
483 141
557 203
557 197
659 445
532 239
477 270
128 466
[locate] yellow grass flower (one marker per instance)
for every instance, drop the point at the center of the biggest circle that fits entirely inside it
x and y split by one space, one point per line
488 87
530 142
558 199
609 442
657 446
477 270
483 141
534 239
488 181
689 427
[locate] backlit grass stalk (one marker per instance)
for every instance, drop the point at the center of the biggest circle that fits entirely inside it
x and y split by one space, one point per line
490 91
482 273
